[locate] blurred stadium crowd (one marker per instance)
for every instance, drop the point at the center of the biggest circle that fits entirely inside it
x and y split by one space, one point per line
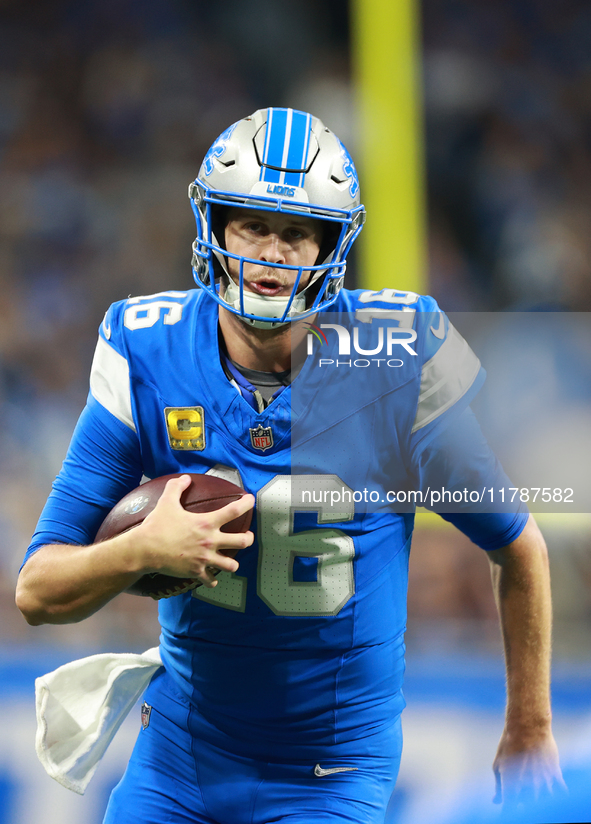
106 109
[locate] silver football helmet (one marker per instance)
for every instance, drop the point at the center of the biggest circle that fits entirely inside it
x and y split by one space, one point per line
276 160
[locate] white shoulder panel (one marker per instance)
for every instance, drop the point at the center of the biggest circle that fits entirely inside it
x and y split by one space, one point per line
445 378
109 382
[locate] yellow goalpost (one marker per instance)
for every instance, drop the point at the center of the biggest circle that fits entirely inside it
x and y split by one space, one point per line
386 66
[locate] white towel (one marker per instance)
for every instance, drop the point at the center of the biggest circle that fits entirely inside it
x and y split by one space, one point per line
80 707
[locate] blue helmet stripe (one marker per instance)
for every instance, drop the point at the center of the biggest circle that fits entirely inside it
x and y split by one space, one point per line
296 156
274 143
287 141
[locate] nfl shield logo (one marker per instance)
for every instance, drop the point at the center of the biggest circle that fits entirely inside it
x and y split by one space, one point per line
261 437
146 712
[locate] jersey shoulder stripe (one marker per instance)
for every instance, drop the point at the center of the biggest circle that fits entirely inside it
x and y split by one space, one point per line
110 372
445 378
109 382
448 371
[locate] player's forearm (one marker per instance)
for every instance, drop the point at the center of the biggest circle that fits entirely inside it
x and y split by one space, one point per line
63 584
521 581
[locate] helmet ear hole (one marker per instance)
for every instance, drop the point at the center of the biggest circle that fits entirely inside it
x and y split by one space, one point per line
330 237
219 220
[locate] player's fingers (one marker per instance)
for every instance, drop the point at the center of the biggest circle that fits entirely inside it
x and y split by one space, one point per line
174 489
225 562
233 510
511 789
498 796
229 543
208 576
549 786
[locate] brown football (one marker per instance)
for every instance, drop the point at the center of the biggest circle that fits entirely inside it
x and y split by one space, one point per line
205 494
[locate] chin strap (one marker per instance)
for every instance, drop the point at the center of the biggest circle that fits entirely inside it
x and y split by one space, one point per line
265 306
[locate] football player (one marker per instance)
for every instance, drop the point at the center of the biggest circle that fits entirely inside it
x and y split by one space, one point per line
280 695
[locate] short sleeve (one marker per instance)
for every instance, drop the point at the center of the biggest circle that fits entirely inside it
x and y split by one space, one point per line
458 474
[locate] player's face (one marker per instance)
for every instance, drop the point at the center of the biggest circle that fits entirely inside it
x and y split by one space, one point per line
271 237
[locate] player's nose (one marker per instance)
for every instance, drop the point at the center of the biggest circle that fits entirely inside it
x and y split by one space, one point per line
274 249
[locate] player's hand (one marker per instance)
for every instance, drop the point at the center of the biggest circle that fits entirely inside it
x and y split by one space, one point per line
527 768
173 541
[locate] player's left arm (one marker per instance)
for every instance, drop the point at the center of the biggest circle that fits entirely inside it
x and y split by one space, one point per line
448 450
526 765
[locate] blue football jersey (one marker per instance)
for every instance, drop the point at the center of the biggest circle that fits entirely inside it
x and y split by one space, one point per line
303 645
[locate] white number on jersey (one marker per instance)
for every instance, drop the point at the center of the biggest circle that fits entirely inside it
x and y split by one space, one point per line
279 546
405 316
143 315
389 296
